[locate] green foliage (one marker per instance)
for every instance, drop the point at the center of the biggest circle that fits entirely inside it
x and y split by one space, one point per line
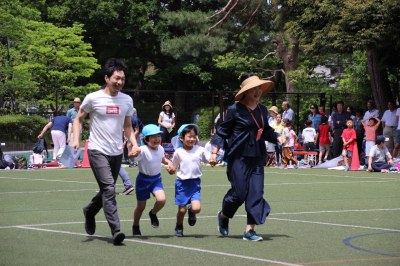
41 62
205 121
21 128
355 79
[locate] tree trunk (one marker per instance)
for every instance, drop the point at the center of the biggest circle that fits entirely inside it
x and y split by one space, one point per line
379 79
288 50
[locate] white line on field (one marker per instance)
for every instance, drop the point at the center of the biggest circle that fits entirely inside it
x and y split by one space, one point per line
168 245
242 215
334 224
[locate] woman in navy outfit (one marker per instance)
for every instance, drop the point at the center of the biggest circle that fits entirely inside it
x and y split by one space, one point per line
242 135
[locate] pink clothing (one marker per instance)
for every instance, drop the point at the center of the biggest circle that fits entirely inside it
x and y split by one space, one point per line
370 132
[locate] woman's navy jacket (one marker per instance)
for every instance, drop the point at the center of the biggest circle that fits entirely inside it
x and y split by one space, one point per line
237 133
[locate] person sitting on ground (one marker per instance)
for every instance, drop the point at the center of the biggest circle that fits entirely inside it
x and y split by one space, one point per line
379 159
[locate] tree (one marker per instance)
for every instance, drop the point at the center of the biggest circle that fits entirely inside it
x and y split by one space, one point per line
347 25
42 61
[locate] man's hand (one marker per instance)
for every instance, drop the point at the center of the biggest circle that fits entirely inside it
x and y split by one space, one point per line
133 151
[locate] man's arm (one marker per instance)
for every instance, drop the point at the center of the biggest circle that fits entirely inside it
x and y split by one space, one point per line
77 127
44 130
133 147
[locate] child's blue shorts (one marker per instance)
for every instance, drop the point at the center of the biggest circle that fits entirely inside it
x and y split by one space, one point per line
146 184
186 191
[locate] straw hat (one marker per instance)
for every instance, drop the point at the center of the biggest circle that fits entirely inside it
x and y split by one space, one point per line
167 103
274 109
252 82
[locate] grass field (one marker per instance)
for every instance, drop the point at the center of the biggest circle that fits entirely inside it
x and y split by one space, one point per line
319 217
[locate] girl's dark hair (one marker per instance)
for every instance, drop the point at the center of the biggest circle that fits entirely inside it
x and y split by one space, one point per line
324 119
114 64
165 111
187 129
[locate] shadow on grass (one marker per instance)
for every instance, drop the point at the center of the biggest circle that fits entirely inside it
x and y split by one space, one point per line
167 236
268 237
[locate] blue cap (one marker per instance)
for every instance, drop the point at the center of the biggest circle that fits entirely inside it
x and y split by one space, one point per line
151 129
185 125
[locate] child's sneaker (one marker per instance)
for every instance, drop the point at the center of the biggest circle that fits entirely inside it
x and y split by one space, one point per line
346 168
179 230
153 219
251 236
192 217
223 225
136 230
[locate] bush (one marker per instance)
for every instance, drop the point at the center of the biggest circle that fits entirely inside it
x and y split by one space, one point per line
205 121
21 128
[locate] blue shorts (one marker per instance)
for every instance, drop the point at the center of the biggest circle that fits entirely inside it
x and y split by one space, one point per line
397 140
186 191
146 184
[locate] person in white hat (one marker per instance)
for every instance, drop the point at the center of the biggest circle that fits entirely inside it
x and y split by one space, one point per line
166 120
242 135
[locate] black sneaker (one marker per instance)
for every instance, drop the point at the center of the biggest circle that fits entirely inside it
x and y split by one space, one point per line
128 190
118 237
223 225
153 220
136 230
192 217
179 230
90 223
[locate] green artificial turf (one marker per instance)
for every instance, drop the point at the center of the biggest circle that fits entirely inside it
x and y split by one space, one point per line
318 217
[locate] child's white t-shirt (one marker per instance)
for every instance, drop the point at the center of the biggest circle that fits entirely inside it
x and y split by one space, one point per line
149 160
188 162
308 134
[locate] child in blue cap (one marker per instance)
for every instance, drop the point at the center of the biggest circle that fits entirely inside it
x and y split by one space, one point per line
148 180
187 161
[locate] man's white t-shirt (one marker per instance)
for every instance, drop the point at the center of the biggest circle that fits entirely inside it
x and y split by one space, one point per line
398 116
107 116
188 162
149 160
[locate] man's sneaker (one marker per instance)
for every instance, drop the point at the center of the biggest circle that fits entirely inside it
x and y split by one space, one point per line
90 223
179 230
252 236
153 220
223 225
136 230
128 190
192 217
118 237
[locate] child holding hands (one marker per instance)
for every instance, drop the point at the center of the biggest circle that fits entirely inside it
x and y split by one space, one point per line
148 180
187 161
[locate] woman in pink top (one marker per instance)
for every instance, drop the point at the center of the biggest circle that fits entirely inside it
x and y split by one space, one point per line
370 133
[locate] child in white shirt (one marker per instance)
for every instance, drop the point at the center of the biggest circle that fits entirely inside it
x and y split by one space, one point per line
187 161
148 180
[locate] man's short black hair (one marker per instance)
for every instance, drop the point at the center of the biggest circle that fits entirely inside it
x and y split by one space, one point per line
114 64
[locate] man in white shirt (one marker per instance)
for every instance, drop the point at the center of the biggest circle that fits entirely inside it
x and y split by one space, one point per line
372 111
288 112
389 124
110 116
397 140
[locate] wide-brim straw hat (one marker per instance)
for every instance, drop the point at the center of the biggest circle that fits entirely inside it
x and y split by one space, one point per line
167 103
274 109
252 82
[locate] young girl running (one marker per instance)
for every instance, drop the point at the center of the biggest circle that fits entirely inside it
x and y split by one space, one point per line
187 161
148 180
288 139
